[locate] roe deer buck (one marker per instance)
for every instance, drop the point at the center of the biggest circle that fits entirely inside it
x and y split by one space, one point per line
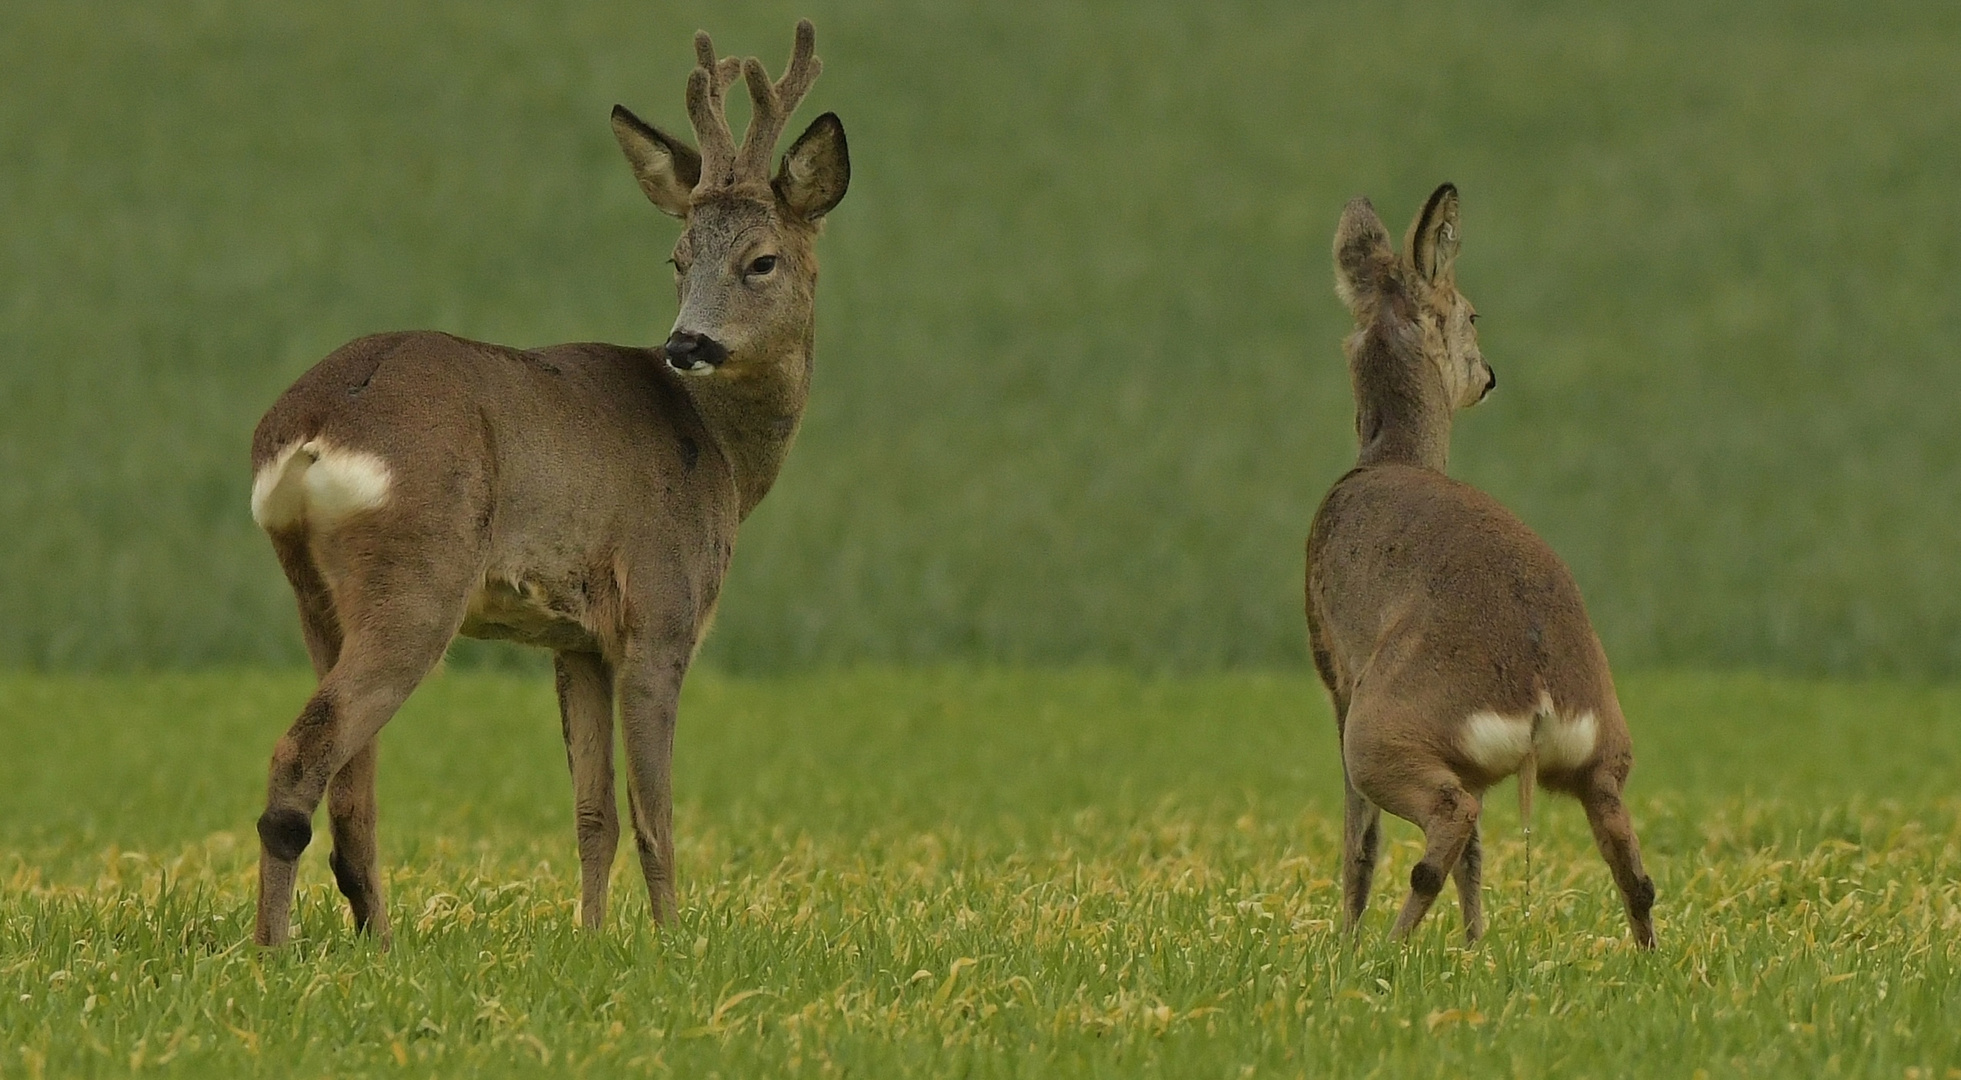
584 498
1451 639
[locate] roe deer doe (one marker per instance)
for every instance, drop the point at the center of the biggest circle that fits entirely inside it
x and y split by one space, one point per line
1451 639
583 498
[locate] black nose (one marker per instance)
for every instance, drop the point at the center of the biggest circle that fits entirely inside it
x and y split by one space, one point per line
1490 380
693 352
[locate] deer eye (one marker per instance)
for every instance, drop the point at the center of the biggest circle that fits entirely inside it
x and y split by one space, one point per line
763 265
1474 318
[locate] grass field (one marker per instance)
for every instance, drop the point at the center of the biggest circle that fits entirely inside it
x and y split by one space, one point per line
1078 380
976 872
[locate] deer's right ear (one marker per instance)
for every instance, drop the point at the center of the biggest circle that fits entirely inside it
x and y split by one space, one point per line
666 167
1362 253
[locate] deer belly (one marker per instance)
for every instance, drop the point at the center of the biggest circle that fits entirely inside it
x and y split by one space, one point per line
525 612
1498 744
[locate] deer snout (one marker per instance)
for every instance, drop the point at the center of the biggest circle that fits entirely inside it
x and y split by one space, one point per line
1490 379
694 352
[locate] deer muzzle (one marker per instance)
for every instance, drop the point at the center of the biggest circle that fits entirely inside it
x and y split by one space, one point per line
694 353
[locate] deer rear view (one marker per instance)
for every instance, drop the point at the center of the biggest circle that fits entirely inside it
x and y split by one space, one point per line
583 498
1452 639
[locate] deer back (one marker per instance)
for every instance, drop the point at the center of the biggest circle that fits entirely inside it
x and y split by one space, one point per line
1442 579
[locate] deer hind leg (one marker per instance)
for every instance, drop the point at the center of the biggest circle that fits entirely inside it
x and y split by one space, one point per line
1361 829
319 626
1470 868
1613 832
351 794
1361 820
1449 818
1386 768
585 704
356 858
391 645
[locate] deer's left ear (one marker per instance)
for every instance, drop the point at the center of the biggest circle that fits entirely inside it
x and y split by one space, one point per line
816 171
1432 242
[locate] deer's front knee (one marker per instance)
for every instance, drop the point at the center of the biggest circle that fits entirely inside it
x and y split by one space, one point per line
597 824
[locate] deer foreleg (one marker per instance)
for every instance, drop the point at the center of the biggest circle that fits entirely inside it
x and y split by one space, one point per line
650 692
585 704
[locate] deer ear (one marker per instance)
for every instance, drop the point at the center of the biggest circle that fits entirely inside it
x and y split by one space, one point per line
1433 236
1362 253
816 170
666 167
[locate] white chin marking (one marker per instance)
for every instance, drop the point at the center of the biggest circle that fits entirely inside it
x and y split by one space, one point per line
319 484
1498 743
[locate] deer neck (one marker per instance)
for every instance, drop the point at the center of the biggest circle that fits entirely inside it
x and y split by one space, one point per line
753 415
1402 411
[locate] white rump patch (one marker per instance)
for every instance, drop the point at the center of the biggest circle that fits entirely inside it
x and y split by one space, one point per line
319 483
1498 743
277 503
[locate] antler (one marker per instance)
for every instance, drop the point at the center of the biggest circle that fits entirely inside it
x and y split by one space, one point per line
722 165
706 110
774 104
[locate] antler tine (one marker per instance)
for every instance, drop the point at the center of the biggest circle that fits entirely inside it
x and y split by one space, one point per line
803 70
725 69
776 102
708 112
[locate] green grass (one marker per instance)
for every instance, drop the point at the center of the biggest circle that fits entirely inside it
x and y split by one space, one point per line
1079 387
976 872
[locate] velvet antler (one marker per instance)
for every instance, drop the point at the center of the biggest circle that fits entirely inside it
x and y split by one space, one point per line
722 164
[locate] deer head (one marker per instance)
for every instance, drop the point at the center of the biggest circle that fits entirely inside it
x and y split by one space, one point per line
1414 357
1419 290
745 269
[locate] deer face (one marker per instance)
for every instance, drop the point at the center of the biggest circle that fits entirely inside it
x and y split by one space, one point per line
744 280
1450 339
745 268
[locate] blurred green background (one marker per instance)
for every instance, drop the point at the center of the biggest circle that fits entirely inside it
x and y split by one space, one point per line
1079 383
